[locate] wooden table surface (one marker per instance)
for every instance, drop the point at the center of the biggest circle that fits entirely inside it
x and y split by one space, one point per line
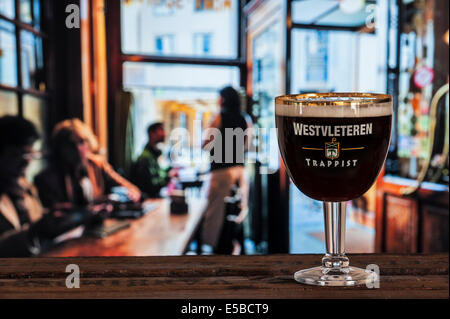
158 233
235 277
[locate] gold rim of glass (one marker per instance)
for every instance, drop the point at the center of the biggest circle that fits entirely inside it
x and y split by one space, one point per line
338 99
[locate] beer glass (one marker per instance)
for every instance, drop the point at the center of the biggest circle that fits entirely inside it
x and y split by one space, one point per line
333 146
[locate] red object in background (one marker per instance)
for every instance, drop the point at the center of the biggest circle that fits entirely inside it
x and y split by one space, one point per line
415 103
423 76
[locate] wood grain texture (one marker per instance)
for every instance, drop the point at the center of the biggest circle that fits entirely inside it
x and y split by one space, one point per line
402 223
241 277
434 229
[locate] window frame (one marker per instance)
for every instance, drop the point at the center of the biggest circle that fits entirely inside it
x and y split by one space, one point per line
239 61
117 58
19 89
202 36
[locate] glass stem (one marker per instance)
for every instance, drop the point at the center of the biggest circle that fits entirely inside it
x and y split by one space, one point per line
334 215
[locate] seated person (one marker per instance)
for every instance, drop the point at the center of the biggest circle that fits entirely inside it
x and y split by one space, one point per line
146 172
25 226
76 177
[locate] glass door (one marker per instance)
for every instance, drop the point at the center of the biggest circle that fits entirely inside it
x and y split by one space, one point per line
335 48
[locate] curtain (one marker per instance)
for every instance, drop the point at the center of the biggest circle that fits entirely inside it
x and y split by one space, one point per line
123 132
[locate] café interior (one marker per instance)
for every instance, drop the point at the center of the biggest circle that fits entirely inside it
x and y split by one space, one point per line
121 65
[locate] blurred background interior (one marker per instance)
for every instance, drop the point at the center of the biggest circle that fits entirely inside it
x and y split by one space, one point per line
135 62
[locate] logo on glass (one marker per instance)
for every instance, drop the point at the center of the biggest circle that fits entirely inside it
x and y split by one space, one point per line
332 149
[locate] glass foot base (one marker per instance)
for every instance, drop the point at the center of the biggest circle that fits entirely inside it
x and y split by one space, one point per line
321 276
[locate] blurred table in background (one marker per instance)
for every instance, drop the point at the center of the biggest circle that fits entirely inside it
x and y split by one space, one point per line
158 233
192 179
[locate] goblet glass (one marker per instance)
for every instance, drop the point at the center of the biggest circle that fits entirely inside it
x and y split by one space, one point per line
333 146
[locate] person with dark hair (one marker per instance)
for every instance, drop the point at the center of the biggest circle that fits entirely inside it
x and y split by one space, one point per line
76 176
227 164
24 225
146 172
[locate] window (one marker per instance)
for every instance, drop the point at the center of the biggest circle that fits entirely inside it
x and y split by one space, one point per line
164 44
179 95
32 60
202 44
337 61
22 72
333 13
8 54
7 8
8 103
204 5
140 26
317 57
26 11
164 7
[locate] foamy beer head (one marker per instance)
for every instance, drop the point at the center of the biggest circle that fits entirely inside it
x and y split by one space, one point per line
334 144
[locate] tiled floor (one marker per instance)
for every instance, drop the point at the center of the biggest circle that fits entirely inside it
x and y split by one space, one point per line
307 228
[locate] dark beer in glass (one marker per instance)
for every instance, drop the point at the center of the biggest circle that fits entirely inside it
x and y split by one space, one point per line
333 146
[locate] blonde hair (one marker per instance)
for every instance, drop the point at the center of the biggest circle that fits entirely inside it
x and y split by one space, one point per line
79 128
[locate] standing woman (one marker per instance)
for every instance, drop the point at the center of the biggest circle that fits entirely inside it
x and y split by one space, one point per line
227 164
